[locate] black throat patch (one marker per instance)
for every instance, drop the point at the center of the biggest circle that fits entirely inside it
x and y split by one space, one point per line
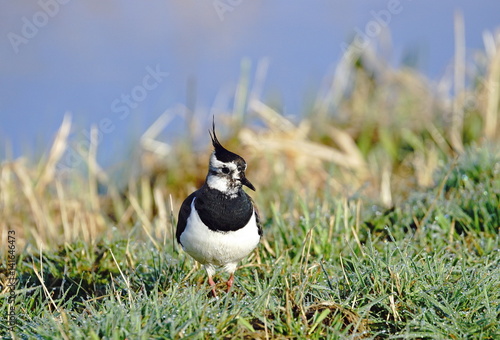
221 213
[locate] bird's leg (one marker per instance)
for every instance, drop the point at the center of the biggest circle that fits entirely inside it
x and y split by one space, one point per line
212 284
230 282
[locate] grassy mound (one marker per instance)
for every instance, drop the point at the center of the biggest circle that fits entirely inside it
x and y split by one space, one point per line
381 213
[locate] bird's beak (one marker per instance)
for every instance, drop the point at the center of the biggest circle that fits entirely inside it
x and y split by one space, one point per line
246 182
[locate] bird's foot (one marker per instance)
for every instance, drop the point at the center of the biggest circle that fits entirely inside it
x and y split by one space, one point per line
212 284
230 282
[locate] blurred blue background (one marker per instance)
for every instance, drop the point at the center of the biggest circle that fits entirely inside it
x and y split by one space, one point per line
127 61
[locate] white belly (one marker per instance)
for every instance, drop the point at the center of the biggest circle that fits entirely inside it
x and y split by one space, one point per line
218 248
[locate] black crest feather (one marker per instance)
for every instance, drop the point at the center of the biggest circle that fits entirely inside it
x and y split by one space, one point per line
213 136
221 152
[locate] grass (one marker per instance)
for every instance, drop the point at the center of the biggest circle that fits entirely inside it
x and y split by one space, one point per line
378 223
326 272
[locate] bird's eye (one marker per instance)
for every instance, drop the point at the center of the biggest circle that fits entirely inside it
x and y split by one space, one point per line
225 170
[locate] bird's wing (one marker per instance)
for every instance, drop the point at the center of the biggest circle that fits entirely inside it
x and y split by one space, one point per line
184 212
257 215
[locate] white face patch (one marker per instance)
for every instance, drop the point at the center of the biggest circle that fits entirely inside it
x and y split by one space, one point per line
222 184
218 183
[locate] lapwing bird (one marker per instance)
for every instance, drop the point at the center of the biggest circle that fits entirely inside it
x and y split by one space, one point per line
218 224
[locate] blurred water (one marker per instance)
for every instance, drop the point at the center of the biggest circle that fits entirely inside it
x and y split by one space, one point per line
93 58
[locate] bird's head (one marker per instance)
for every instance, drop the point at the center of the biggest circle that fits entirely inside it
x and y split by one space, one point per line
226 171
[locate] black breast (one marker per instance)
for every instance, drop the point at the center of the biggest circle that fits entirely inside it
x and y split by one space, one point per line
221 213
